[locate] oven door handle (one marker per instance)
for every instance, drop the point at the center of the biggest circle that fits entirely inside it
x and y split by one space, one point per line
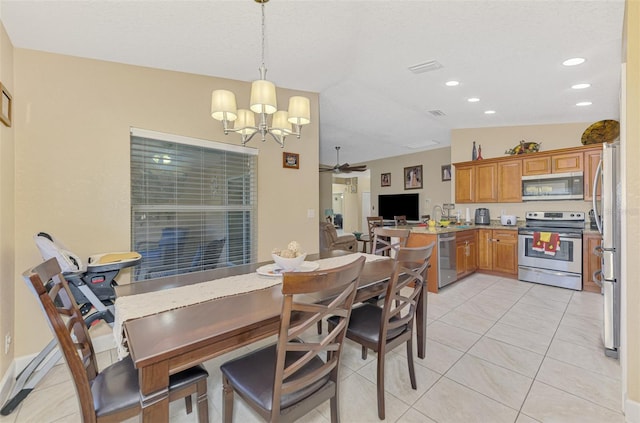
560 234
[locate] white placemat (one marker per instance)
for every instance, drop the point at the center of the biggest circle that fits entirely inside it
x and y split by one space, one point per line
136 306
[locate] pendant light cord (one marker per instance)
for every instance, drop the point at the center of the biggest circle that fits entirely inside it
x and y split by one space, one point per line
263 35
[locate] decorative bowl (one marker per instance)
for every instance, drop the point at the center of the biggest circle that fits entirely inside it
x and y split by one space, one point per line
444 223
288 264
357 234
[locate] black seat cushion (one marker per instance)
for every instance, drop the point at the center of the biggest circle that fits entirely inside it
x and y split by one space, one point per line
253 375
365 324
116 388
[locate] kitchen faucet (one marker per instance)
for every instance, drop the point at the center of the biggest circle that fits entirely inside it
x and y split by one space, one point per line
433 213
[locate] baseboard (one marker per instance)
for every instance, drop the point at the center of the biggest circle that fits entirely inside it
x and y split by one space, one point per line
631 411
7 382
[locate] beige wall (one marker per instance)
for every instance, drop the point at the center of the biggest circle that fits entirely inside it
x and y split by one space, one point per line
72 159
495 141
434 190
7 270
631 217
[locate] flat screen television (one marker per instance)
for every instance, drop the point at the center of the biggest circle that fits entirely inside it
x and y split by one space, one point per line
391 205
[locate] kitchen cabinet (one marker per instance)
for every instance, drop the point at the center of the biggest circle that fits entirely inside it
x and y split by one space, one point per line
553 163
591 160
498 251
465 180
489 182
466 253
590 261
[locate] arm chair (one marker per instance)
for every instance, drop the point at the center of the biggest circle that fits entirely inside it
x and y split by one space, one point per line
285 381
112 395
384 328
329 239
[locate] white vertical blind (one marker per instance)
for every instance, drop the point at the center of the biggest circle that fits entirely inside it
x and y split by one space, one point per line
193 204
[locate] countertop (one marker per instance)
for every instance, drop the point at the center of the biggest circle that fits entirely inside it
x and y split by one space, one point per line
495 224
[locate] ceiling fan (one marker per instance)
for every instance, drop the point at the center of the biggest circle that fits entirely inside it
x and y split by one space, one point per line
342 168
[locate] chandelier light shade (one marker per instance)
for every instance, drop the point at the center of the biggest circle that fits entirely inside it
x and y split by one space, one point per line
262 103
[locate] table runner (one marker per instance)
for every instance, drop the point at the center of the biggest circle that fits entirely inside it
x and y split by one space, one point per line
135 306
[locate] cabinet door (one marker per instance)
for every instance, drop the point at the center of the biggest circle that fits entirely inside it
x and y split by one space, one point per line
536 166
570 162
461 258
486 183
465 189
472 255
591 160
509 181
485 249
505 251
590 262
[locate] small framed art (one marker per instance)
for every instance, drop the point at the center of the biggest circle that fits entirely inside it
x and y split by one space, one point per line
290 160
446 172
413 177
5 111
385 180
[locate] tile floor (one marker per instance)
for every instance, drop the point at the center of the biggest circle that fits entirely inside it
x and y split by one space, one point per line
498 350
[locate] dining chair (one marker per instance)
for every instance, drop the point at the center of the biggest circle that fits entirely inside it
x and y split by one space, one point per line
372 222
113 394
400 220
284 381
387 241
383 328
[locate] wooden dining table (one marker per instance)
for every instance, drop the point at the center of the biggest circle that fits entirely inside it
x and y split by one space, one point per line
171 341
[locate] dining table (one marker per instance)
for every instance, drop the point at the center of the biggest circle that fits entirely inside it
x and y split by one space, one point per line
170 341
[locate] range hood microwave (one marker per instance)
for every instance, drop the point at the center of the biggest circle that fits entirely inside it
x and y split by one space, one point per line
553 186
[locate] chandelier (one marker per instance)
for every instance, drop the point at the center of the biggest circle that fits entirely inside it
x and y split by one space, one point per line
262 103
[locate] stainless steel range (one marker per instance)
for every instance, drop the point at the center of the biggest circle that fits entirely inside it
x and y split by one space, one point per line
550 249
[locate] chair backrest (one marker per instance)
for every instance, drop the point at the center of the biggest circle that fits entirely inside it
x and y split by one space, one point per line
388 240
51 247
409 270
339 283
374 222
400 220
328 235
78 351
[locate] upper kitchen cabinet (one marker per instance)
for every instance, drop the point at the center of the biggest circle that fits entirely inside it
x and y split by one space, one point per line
489 181
545 163
591 161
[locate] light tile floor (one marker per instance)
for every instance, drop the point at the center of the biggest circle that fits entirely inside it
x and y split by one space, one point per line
498 350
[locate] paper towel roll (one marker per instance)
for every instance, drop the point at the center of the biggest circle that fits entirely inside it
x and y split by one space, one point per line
467 216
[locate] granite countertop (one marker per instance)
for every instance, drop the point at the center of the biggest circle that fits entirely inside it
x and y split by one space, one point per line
495 224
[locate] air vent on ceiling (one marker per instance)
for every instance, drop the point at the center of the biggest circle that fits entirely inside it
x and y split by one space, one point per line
437 113
429 66
423 144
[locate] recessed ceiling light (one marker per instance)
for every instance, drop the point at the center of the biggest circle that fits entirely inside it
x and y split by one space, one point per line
473 100
489 112
584 103
573 61
580 86
451 83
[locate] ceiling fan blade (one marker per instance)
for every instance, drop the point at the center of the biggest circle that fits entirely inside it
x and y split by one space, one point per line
361 168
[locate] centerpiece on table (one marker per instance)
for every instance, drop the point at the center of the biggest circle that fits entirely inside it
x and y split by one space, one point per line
290 258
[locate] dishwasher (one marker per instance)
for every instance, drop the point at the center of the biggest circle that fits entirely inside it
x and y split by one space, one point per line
447 272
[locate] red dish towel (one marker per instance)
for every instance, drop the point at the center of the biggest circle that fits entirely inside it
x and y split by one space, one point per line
546 242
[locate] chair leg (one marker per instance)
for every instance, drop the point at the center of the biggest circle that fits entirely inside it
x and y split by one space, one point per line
380 384
335 408
412 372
202 400
227 401
364 352
188 404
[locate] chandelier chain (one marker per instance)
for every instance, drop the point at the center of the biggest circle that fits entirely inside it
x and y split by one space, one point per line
263 28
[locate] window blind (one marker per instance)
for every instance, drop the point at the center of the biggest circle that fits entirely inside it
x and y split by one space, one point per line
193 204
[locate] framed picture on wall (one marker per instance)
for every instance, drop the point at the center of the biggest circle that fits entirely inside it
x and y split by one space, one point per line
290 160
446 172
385 180
413 177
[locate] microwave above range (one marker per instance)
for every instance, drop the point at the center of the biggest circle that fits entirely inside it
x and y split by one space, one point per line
554 186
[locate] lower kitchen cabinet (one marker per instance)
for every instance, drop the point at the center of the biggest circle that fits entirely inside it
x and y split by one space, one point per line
498 251
466 253
590 261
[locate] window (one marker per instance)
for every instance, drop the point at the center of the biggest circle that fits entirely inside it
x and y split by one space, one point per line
193 204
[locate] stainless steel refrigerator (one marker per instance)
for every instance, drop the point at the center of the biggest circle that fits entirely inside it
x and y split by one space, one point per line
608 219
